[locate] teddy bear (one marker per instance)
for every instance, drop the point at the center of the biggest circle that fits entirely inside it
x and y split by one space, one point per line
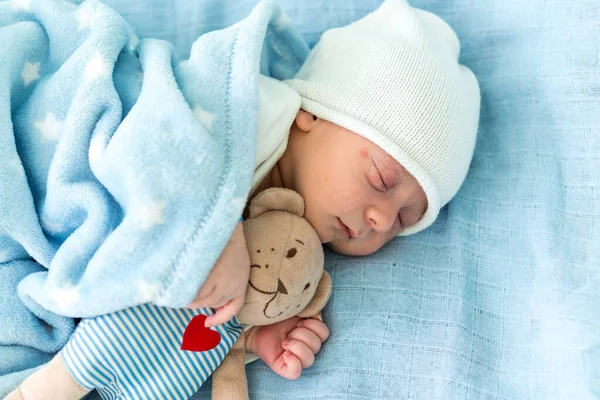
150 352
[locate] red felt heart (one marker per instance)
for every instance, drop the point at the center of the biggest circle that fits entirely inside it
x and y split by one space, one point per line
197 337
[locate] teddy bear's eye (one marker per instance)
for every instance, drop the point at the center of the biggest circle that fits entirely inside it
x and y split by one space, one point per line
291 252
307 286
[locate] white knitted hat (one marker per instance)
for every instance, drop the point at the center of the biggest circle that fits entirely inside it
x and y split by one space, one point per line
394 78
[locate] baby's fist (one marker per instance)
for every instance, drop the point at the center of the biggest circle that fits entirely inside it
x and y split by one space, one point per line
288 346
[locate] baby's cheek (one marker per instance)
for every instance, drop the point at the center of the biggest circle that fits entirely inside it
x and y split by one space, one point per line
379 241
349 200
378 244
396 229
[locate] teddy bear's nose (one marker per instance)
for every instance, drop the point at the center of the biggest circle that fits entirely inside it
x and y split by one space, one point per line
281 287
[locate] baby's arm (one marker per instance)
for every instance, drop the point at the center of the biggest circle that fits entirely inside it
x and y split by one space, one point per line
225 287
50 382
136 354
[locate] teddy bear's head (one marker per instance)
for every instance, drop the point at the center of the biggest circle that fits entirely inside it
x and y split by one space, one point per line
286 273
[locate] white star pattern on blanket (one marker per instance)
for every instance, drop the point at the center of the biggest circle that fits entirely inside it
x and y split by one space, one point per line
66 296
148 291
50 127
205 117
21 4
97 66
150 214
30 73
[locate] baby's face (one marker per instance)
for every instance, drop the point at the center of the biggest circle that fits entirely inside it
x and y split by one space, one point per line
357 196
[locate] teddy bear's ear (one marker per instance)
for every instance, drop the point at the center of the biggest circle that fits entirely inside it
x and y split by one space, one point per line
277 199
319 299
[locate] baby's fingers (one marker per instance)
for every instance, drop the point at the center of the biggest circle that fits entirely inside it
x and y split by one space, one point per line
214 299
316 326
225 313
288 366
308 337
200 300
300 350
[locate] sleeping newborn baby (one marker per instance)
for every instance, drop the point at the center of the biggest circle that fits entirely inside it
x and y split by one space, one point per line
382 121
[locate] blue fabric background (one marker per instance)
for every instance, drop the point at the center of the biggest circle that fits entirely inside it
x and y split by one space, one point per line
500 299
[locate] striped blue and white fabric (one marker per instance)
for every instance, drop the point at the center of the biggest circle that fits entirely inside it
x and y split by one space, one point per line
135 353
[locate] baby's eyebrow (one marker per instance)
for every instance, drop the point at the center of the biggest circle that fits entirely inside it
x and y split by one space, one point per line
393 172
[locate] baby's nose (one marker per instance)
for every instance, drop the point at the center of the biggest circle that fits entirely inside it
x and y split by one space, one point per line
381 220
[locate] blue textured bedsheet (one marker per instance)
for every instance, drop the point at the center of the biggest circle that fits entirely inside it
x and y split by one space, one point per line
500 299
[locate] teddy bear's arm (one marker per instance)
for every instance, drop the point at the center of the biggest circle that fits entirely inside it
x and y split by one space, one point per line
229 379
53 381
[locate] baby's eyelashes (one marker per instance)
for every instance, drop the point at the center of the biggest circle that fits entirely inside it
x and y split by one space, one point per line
398 223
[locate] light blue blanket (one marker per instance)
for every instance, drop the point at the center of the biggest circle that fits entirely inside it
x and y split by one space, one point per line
500 299
122 169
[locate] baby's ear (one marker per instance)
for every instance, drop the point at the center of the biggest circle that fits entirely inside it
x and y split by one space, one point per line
305 120
277 199
320 298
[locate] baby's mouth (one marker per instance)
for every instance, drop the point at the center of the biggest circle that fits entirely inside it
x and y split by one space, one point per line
343 229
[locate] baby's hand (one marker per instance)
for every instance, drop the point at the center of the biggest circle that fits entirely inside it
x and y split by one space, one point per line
225 287
288 346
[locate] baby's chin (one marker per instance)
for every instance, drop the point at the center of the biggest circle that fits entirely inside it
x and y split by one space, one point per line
354 247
